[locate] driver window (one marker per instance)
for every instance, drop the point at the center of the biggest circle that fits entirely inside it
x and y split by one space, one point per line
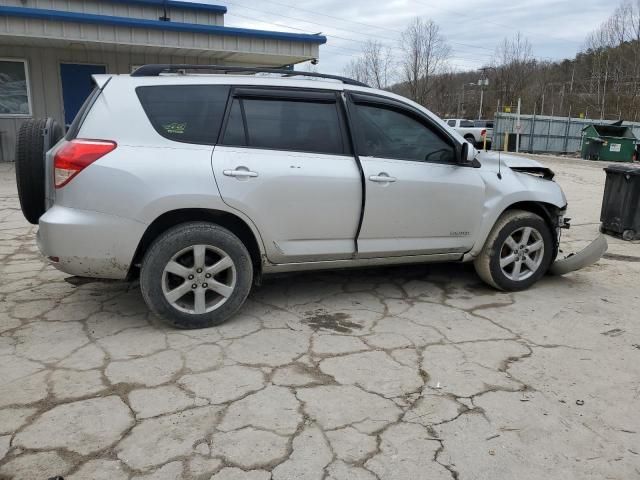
386 133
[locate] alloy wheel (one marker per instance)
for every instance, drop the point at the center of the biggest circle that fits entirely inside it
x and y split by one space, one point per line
521 254
198 279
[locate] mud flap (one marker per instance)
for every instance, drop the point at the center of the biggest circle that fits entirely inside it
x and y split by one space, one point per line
575 261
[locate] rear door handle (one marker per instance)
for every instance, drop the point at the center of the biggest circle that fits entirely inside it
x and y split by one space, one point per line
240 172
382 177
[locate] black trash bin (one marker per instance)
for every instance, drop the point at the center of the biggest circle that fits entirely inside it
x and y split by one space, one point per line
620 214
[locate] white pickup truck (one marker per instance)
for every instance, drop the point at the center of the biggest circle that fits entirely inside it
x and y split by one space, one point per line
466 128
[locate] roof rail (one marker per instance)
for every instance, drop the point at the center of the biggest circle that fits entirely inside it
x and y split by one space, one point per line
155 70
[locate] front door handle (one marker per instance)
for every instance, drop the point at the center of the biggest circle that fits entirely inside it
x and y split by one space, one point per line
382 177
240 172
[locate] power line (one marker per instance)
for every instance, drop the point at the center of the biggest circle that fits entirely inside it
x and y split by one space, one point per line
465 56
502 25
339 28
332 16
348 49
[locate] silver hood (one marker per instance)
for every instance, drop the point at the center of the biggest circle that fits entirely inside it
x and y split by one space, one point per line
508 160
514 162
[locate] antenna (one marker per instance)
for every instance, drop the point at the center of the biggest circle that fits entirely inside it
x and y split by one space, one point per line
499 166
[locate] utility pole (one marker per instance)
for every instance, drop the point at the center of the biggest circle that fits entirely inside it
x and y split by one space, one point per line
518 127
573 72
461 104
482 82
604 90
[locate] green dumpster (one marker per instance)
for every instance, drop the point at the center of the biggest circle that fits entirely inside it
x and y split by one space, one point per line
610 143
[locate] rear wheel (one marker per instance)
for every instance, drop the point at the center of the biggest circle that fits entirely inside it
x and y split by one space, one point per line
471 139
35 138
196 275
517 252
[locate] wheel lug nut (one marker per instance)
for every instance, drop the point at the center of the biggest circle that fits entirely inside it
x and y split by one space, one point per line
190 277
199 270
194 286
204 285
208 275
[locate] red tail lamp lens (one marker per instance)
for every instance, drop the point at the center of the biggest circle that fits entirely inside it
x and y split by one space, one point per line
77 155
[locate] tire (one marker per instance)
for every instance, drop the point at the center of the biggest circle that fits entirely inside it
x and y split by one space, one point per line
496 248
170 267
35 138
471 139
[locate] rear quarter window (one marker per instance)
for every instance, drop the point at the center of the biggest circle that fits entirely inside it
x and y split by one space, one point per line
185 113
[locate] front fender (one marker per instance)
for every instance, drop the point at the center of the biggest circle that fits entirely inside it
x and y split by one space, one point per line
509 191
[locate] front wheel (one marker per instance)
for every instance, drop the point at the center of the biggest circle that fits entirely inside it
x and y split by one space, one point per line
517 253
196 275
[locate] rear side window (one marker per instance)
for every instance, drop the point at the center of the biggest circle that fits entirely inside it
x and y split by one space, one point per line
466 124
185 113
285 125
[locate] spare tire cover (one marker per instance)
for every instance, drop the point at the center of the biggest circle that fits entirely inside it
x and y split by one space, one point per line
35 138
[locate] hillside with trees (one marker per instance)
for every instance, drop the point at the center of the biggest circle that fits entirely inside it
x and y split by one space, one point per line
601 81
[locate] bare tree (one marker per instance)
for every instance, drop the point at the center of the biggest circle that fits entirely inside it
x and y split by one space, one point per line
425 55
356 69
513 63
375 66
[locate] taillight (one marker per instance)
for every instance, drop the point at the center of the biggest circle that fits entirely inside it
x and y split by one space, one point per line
483 132
76 155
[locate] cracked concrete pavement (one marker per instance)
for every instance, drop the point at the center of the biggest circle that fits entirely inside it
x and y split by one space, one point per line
398 373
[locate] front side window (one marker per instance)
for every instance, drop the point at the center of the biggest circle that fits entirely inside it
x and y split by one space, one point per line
14 88
282 124
388 133
185 113
451 123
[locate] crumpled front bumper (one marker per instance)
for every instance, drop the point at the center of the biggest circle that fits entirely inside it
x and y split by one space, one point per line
585 257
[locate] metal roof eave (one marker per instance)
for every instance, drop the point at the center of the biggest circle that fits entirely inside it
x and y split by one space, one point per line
204 7
45 14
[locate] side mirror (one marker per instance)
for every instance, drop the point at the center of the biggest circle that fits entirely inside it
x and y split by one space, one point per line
464 153
467 156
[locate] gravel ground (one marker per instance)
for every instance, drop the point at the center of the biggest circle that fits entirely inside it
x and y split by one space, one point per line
415 372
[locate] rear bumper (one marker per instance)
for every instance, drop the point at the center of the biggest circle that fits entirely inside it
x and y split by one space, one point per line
87 243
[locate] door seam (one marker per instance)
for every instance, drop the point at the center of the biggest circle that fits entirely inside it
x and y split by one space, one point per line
345 104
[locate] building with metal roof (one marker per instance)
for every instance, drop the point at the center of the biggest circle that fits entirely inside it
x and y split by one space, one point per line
49 50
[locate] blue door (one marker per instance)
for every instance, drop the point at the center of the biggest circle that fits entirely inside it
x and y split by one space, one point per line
76 86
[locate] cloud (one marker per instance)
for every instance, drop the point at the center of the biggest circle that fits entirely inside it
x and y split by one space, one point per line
555 28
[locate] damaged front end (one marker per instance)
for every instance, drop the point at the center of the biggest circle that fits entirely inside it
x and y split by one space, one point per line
584 258
576 261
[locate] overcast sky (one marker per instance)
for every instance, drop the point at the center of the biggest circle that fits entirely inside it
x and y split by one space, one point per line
473 28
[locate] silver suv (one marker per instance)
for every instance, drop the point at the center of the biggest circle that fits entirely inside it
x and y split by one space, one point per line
201 183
